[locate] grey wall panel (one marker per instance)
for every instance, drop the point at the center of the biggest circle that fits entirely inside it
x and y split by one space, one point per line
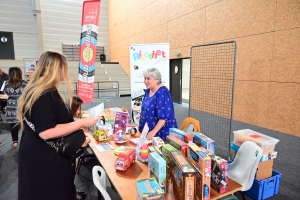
17 16
62 24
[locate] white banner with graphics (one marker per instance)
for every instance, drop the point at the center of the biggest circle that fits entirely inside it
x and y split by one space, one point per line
142 57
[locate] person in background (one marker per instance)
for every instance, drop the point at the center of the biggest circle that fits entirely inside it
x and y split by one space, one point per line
157 106
3 79
14 88
30 72
77 104
45 115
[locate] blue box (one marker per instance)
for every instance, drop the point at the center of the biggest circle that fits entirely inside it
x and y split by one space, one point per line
157 168
149 189
265 188
203 141
178 133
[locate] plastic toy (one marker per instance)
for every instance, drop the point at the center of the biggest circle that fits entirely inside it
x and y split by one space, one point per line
120 137
144 153
132 131
125 159
101 134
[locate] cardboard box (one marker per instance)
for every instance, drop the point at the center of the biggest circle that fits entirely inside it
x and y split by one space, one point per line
149 189
177 143
264 170
157 169
202 162
219 174
166 149
178 133
183 176
204 141
202 189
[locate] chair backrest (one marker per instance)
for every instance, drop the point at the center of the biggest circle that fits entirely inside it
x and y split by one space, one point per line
244 166
190 124
100 181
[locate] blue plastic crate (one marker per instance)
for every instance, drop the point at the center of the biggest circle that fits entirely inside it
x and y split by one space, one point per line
262 189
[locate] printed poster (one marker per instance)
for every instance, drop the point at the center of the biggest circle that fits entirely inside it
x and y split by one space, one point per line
142 57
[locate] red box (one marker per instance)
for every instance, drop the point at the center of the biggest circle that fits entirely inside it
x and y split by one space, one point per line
177 143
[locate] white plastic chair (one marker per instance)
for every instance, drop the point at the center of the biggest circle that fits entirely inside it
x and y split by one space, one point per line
100 181
244 166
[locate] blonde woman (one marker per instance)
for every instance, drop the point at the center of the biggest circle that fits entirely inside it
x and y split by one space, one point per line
44 116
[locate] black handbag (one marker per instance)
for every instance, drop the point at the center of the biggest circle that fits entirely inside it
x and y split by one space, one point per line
69 146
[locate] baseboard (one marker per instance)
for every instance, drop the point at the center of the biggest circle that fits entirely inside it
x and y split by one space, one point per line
125 95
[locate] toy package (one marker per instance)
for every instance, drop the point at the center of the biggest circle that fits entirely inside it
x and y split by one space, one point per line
183 176
177 132
202 162
157 169
149 189
177 143
142 150
120 150
219 174
189 138
157 144
102 131
120 127
125 159
204 141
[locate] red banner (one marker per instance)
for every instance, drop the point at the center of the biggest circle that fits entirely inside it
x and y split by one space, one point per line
88 44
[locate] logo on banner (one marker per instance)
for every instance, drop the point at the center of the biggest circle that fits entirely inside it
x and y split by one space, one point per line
155 54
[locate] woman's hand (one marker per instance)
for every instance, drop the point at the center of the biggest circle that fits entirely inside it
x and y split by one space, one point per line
150 135
87 140
89 122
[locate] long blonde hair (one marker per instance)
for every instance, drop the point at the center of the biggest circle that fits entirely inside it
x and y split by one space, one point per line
51 69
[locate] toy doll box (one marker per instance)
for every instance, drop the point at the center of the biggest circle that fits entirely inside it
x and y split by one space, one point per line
204 141
267 143
178 133
149 189
157 169
183 176
219 174
177 143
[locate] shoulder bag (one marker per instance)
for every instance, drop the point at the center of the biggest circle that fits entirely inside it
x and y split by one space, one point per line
69 146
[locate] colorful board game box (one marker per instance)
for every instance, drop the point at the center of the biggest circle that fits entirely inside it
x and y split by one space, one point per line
177 143
157 169
219 174
202 163
177 132
183 176
149 189
204 141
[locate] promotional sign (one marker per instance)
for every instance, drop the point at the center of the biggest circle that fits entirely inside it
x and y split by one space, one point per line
88 44
142 57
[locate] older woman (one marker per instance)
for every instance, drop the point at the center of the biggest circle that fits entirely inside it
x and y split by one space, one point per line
157 106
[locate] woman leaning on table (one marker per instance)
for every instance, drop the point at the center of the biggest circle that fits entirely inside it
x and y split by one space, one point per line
157 106
44 115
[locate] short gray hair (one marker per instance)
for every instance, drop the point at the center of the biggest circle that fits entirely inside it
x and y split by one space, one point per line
153 72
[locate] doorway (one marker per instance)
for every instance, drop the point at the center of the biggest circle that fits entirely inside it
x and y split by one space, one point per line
175 80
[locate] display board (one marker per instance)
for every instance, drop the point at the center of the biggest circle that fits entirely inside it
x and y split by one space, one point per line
142 57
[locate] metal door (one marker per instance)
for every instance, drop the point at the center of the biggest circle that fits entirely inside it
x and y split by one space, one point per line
175 80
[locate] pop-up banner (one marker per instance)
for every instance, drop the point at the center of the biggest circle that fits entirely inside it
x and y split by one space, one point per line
142 57
88 44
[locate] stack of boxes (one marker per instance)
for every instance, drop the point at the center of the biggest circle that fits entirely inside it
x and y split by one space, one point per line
267 143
